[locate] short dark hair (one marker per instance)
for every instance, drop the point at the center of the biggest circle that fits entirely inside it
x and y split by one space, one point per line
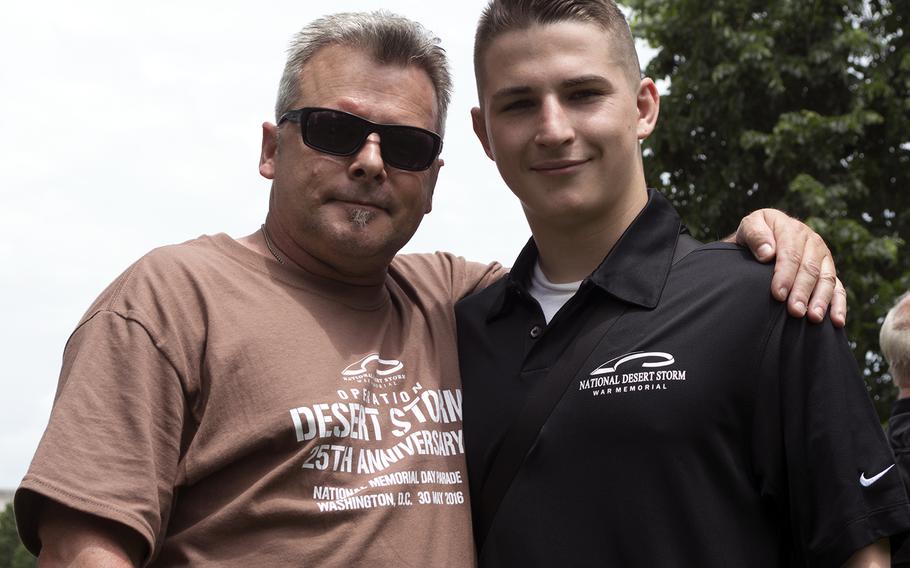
501 16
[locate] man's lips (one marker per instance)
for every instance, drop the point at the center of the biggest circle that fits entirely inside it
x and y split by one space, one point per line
358 203
558 167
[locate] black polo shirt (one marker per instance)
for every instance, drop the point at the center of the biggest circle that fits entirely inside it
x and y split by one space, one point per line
707 428
899 436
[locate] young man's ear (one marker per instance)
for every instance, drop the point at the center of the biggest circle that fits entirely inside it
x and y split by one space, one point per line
269 149
480 129
648 107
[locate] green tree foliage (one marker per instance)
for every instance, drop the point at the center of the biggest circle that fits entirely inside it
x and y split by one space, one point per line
12 553
803 105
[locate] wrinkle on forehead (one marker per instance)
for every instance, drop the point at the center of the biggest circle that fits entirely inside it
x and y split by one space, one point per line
351 80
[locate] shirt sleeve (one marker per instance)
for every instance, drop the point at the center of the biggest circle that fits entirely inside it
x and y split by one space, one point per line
113 443
821 452
445 273
476 277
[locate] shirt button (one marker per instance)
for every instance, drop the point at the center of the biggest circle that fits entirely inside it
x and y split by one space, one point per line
536 331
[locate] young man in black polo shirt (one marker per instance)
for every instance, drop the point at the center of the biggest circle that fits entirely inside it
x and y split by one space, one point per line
682 436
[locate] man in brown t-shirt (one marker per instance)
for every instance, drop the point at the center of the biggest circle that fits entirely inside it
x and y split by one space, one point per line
293 397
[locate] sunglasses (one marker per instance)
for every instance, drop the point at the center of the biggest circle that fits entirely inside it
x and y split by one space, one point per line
343 134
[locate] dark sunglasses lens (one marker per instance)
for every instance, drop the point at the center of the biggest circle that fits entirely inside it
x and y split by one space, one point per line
408 148
340 133
334 132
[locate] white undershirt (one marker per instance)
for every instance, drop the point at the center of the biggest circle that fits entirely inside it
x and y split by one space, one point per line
550 296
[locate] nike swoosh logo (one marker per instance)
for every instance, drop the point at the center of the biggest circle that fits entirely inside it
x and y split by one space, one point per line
867 481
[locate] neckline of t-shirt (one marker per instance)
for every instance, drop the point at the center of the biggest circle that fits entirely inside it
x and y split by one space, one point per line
540 279
365 298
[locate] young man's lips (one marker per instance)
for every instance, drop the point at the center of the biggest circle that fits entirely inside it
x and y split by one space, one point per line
557 166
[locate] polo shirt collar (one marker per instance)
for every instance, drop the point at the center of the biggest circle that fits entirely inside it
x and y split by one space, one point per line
634 271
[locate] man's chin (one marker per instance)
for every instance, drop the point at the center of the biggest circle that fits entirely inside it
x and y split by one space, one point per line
366 233
366 240
360 218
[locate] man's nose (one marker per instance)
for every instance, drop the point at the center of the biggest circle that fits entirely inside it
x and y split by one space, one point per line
367 162
555 126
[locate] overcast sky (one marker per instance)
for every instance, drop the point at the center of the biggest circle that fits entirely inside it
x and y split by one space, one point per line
129 125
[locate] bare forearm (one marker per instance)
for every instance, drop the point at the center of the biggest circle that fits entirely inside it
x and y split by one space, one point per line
90 556
876 555
72 539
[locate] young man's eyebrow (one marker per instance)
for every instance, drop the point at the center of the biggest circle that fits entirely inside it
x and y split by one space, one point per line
511 92
584 79
519 90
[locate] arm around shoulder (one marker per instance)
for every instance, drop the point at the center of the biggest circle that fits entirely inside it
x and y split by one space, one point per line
804 271
74 539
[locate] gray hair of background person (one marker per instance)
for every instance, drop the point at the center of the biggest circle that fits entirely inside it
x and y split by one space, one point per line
387 37
501 16
894 338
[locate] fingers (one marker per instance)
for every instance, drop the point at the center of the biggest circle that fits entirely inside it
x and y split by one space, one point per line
839 305
823 294
809 269
804 275
757 234
799 255
793 281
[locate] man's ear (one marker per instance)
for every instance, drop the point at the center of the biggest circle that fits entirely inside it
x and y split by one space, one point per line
269 150
648 107
480 129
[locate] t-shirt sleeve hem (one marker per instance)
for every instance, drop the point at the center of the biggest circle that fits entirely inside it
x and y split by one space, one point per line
34 488
862 532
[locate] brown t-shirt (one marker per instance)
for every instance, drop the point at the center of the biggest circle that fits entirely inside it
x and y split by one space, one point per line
235 412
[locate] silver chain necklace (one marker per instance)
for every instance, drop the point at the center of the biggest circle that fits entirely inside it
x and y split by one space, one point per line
268 243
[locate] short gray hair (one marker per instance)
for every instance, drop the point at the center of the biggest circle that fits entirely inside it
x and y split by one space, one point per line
387 37
894 338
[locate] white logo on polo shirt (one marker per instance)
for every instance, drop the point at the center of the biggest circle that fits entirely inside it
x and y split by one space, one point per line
632 373
657 359
867 481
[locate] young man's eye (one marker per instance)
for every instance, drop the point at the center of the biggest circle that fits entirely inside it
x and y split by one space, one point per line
586 94
517 104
